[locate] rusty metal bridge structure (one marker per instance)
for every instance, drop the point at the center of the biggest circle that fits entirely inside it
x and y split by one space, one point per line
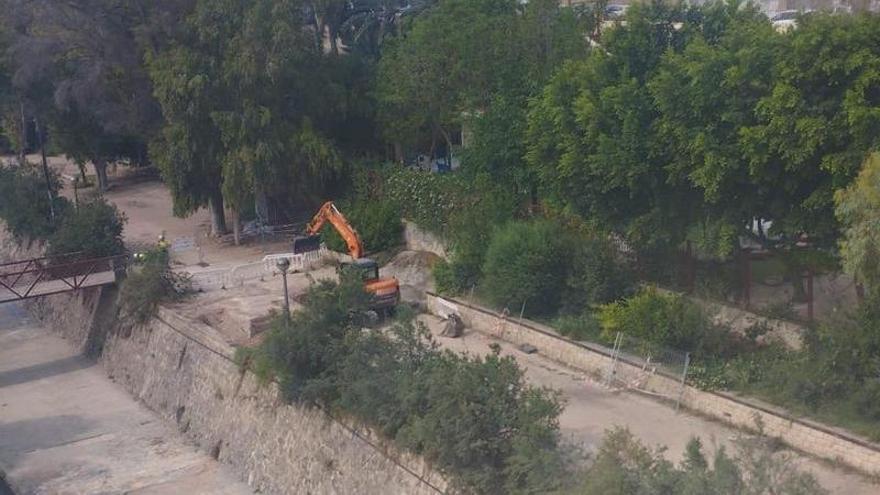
46 276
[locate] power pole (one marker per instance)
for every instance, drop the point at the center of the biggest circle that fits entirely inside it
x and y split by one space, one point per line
39 131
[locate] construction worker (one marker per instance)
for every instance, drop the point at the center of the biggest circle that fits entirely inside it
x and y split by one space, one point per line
163 244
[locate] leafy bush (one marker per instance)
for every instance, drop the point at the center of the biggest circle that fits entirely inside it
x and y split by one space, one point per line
623 466
149 285
527 261
93 229
425 198
24 202
470 233
583 327
595 276
474 418
662 319
377 222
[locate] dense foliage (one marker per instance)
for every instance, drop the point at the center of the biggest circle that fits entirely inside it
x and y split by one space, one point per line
637 137
376 221
25 204
526 263
149 284
624 466
93 229
475 418
858 208
662 319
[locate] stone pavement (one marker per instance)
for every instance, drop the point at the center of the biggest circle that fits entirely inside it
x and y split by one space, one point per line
65 428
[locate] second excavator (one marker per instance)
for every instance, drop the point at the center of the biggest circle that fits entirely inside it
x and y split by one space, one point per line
385 292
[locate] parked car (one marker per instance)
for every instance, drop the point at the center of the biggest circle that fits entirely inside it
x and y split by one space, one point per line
787 19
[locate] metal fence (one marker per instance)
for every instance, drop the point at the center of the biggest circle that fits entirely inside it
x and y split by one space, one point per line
643 361
237 276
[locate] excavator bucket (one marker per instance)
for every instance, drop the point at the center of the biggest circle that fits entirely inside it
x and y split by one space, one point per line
306 244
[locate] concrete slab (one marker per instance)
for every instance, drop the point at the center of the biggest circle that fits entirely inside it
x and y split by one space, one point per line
65 428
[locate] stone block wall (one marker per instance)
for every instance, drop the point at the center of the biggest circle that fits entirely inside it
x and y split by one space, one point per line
801 434
419 239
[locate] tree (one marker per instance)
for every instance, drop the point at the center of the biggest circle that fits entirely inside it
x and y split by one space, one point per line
24 204
79 67
818 122
368 23
187 149
858 210
734 53
244 95
443 67
624 466
527 263
592 135
94 230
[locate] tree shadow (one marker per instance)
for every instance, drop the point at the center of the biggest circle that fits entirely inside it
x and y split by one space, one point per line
43 370
23 437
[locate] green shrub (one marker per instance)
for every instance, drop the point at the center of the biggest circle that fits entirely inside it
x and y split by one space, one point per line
866 400
425 198
475 419
624 466
149 285
527 262
596 276
583 327
377 222
93 229
662 319
471 232
24 202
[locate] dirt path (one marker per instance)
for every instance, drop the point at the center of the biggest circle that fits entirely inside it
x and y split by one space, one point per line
591 409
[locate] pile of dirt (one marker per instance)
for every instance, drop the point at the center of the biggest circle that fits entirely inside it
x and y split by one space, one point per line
413 270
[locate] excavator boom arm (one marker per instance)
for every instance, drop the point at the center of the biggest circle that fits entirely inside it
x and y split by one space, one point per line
329 213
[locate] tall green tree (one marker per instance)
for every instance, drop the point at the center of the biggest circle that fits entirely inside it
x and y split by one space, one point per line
592 136
819 121
244 94
79 68
448 64
858 209
705 95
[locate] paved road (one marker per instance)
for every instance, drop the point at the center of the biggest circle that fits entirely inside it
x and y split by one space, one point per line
65 428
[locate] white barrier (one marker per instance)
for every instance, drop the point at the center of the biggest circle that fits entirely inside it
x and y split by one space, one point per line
238 275
298 262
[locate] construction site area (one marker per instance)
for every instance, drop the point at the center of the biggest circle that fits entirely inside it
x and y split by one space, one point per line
239 290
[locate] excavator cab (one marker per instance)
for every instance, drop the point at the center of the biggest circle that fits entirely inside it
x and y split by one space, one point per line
367 269
306 244
385 291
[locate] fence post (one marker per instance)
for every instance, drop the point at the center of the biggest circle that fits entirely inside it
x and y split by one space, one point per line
615 353
684 372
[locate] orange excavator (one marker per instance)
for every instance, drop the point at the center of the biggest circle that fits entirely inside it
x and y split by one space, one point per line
385 291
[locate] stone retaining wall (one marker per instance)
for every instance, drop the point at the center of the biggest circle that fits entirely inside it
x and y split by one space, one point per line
185 373
419 239
804 435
